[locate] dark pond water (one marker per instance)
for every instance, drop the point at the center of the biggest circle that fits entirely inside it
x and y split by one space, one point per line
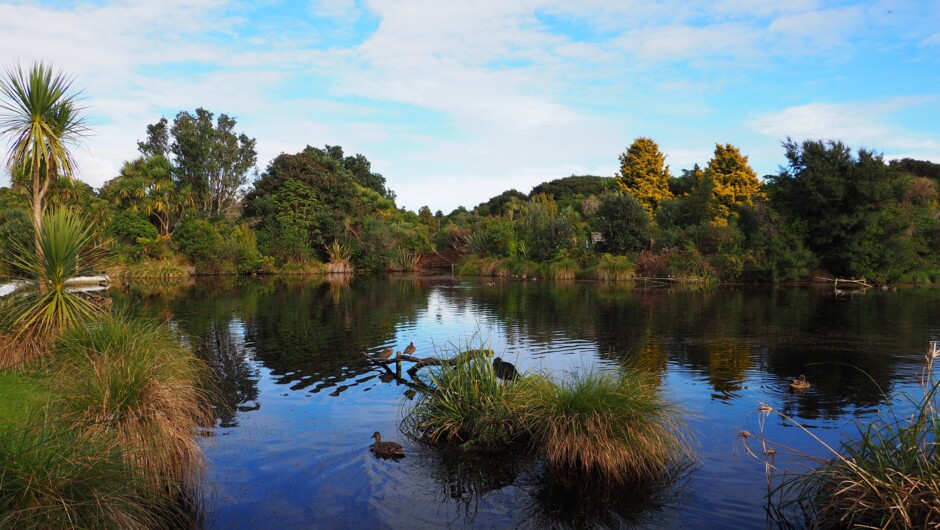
292 450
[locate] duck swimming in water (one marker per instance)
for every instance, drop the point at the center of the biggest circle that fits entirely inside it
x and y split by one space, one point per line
799 384
386 449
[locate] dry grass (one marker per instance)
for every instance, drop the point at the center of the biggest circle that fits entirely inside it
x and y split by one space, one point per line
611 426
133 382
887 477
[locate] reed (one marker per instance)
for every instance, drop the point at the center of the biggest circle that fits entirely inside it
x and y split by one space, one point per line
133 382
608 426
888 476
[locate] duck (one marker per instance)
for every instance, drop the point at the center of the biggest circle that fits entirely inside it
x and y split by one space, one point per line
384 354
385 449
505 371
799 384
410 348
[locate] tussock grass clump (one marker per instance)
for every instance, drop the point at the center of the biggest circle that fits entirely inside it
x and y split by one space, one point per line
132 381
56 477
612 426
152 269
612 268
562 269
886 477
465 404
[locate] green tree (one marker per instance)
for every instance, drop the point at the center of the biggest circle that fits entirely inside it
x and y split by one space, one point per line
841 199
644 173
40 116
208 157
624 222
735 183
146 185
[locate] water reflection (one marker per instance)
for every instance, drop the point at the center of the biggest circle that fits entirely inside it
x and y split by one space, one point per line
300 397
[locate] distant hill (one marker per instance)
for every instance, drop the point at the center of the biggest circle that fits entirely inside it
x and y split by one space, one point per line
575 185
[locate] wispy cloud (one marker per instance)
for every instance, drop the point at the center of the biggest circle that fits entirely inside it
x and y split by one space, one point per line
455 102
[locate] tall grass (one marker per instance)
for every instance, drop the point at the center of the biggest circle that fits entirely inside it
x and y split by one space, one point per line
465 404
340 258
611 268
612 426
886 477
56 477
133 382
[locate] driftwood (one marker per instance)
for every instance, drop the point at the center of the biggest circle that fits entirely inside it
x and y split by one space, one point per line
852 282
421 362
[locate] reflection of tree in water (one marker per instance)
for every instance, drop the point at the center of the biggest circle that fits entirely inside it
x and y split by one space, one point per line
235 380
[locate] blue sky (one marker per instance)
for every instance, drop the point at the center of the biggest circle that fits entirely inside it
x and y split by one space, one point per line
455 102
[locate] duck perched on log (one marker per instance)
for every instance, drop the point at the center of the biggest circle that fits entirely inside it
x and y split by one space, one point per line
384 354
799 384
410 349
385 449
505 371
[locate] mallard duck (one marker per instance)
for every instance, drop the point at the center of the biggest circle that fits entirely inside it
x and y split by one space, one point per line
505 371
386 449
384 354
410 349
799 384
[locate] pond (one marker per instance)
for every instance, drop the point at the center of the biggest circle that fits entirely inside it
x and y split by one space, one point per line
301 400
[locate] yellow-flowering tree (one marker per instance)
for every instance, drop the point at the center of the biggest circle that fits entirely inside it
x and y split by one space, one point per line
644 173
735 183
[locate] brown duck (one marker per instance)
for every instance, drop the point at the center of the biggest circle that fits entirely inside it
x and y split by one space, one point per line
386 449
799 384
384 354
410 349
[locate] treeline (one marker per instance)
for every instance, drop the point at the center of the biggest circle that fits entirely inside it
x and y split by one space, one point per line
190 200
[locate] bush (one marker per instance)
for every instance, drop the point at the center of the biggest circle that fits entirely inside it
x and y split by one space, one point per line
611 268
624 222
129 227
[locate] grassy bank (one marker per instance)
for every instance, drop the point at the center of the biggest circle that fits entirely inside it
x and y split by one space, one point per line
103 435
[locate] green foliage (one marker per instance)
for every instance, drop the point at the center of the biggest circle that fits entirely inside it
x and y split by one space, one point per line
624 223
575 187
129 227
500 204
644 173
210 160
200 241
548 232
16 232
842 199
64 251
